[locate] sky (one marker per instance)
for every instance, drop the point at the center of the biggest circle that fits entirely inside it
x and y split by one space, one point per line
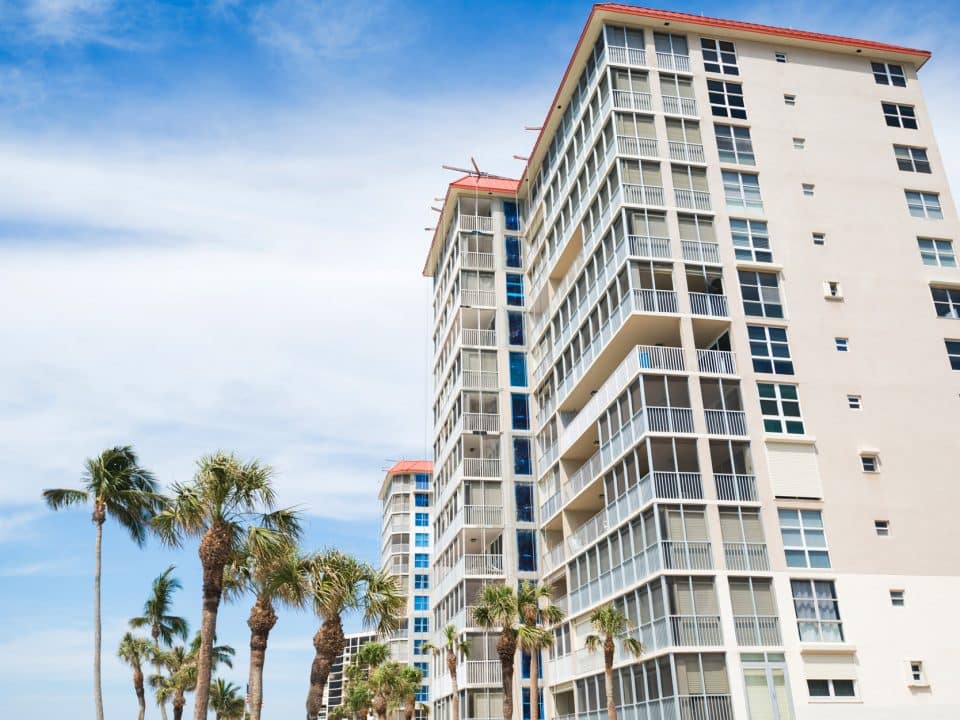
211 237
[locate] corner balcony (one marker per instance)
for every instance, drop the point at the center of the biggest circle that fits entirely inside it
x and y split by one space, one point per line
643 195
746 556
679 707
474 337
471 297
679 631
479 565
736 488
480 380
630 100
475 223
658 485
692 199
757 630
481 422
480 672
481 467
470 260
716 362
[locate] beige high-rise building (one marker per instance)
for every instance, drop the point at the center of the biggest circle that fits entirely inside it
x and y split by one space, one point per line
701 361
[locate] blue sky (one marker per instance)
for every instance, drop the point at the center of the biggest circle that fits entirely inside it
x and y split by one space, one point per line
210 237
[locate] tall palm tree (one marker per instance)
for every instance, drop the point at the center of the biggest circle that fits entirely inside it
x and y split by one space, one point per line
225 700
134 651
116 485
164 627
408 685
227 501
609 625
535 610
341 583
281 578
497 610
453 646
181 665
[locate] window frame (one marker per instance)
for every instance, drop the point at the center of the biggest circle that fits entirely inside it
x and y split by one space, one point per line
818 620
953 353
889 76
869 458
754 236
831 689
938 253
776 309
881 528
949 301
899 116
716 60
741 198
912 159
734 144
803 527
719 96
841 344
779 364
780 400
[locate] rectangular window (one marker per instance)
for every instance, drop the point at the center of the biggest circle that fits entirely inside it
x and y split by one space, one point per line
422 520
780 407
769 349
719 56
421 560
421 582
521 456
817 609
423 481
938 253
843 344
726 99
418 647
898 598
854 402
525 700
870 463
761 294
423 667
514 289
513 254
423 694
888 74
421 500
832 290
526 551
734 144
946 301
515 326
882 527
741 189
790 100
421 602
819 239
917 675
924 204
422 540
953 353
780 57
751 242
421 625
901 116
520 409
518 369
799 143
808 189
831 688
511 217
523 494
804 541
911 159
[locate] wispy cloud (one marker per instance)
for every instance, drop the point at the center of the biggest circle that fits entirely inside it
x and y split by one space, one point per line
16 526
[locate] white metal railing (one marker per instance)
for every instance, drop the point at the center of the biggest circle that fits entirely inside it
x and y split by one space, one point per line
682 707
476 223
630 100
692 199
687 555
746 556
491 515
643 194
757 629
587 533
480 379
398 548
675 105
483 564
477 260
660 484
687 152
708 304
647 246
655 301
736 488
485 338
554 557
726 422
673 61
641 147
481 422
585 474
696 629
481 467
669 419
481 672
704 707
659 357
469 296
700 252
626 55
717 362
550 506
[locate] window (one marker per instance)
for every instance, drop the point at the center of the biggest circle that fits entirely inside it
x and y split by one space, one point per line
870 463
421 560
953 353
769 350
854 402
819 239
726 99
832 290
520 409
780 407
924 204
804 541
911 159
421 582
882 527
808 189
898 598
946 301
719 56
741 189
423 667
761 294
818 613
421 625
843 344
521 456
422 520
831 688
780 57
734 144
917 674
423 481
523 495
888 74
799 143
790 100
515 326
525 700
423 694
514 289
901 116
526 551
518 369
418 647
938 253
422 540
513 254
511 216
421 602
421 500
750 240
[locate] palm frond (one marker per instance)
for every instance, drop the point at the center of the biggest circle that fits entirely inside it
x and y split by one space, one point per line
62 497
593 642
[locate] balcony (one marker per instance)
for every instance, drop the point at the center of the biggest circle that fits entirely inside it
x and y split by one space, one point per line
483 564
669 419
476 223
686 152
736 488
481 467
682 707
485 515
553 558
692 199
716 362
477 260
696 630
726 422
700 252
397 549
675 105
757 630
630 100
664 485
477 298
643 195
479 338
584 535
708 304
637 146
480 672
687 555
634 57
746 556
645 246
672 61
480 380
481 422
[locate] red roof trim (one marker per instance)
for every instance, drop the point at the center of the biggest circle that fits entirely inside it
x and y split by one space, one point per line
486 184
411 466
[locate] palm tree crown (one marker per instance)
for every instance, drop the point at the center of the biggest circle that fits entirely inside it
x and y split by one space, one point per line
609 625
225 700
164 627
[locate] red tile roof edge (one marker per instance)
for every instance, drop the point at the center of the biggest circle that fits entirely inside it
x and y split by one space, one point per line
411 466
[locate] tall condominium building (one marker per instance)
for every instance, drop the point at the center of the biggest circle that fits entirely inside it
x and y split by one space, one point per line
700 361
333 692
405 551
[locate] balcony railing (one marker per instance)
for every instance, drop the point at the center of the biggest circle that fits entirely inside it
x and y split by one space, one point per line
647 246
629 100
687 555
483 564
692 199
480 380
488 515
641 147
483 338
617 55
746 556
481 422
672 61
643 194
669 419
473 298
696 630
481 672
587 533
477 260
736 488
675 105
705 707
726 422
481 467
554 557
757 629
700 252
708 304
655 301
476 223
659 484
687 152
716 362
682 707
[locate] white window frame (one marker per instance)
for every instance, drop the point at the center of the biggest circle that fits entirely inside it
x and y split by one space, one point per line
881 528
918 674
789 99
842 344
781 417
722 64
869 457
888 73
806 526
898 597
737 193
799 143
780 57
832 290
905 116
755 240
763 292
855 402
808 189
912 159
937 252
818 621
953 353
819 238
952 302
832 690
737 112
740 148
768 345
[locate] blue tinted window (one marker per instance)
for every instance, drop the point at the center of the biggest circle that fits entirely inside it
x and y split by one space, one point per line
511 217
421 625
514 289
422 500
423 694
514 258
526 703
423 540
526 551
421 582
423 519
523 493
521 456
418 647
525 665
421 602
422 667
421 560
518 369
520 407
515 325
423 481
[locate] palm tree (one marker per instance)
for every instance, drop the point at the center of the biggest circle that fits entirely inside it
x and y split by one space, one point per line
164 627
134 651
497 610
610 625
341 583
225 700
181 664
408 685
220 506
393 686
117 486
534 608
275 578
452 648
372 655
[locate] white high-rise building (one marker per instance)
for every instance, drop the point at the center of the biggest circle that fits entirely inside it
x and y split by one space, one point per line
333 690
700 361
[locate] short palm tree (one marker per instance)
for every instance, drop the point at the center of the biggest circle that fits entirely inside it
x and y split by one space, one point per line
610 625
340 583
225 499
277 578
535 610
497 610
408 685
225 700
134 651
164 627
181 677
372 655
453 647
392 685
117 486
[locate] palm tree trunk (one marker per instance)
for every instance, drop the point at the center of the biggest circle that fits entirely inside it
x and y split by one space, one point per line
162 702
328 643
138 688
507 650
214 551
452 667
98 519
380 706
608 678
261 621
409 708
534 684
178 703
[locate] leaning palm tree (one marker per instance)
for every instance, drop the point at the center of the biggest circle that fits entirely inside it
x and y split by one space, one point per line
117 486
225 700
224 500
134 651
610 624
453 647
277 578
341 583
164 627
497 610
535 610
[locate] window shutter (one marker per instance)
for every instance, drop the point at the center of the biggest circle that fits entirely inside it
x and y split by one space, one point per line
730 526
763 596
752 528
715 675
696 526
682 598
688 227
675 130
758 695
794 471
704 597
740 597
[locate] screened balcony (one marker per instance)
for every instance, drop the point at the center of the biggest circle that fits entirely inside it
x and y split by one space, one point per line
631 90
755 612
723 407
477 289
733 472
475 215
478 327
481 456
714 355
744 547
476 252
707 297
